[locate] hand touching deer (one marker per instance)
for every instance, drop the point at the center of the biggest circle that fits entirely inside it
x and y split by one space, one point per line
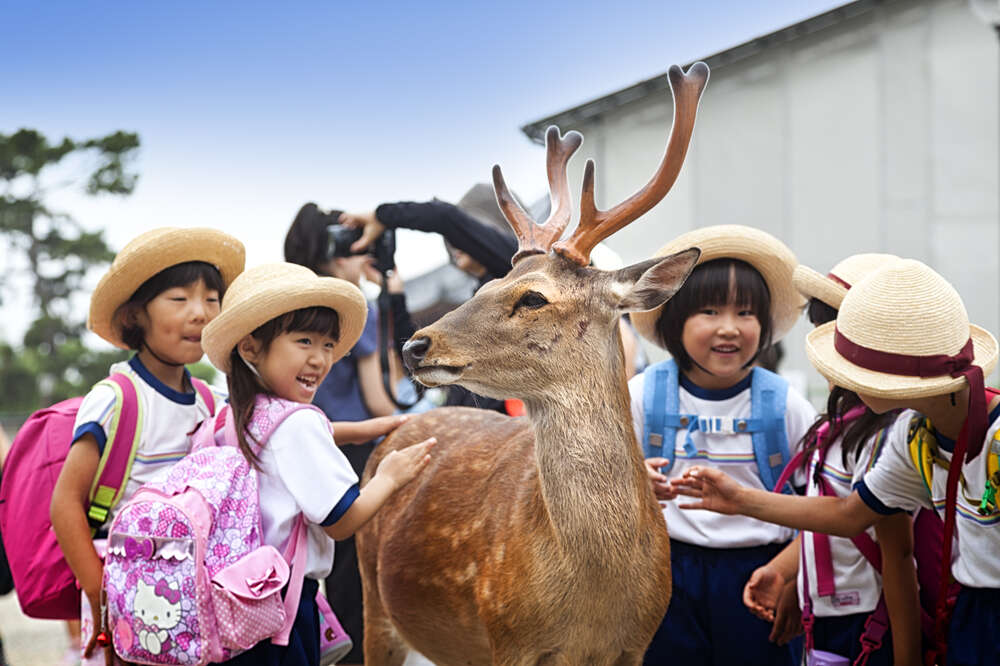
533 540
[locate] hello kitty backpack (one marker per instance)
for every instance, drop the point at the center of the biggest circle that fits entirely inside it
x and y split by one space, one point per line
187 578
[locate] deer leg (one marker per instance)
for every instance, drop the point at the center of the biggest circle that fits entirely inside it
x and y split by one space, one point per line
383 645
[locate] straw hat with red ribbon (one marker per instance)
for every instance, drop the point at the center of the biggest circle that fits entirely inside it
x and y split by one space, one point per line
832 287
903 332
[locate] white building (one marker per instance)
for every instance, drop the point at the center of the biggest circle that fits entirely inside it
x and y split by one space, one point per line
870 128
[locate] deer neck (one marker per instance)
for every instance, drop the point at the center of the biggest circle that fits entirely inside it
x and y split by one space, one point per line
592 479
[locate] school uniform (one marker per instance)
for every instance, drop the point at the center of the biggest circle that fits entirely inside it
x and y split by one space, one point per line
713 555
895 484
840 617
302 472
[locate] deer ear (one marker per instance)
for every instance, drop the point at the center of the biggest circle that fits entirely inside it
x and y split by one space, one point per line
650 284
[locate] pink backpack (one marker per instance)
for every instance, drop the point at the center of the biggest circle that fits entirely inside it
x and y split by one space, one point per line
46 587
187 578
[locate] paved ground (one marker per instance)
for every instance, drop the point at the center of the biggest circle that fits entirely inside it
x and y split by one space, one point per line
29 642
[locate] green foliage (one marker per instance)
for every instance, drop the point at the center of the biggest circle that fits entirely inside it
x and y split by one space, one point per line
56 253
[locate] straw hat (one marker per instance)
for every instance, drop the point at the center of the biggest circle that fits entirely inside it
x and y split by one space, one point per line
148 254
767 254
264 292
832 287
905 309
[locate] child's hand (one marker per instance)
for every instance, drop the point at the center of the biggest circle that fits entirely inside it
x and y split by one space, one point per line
359 432
762 591
402 466
661 487
788 616
717 490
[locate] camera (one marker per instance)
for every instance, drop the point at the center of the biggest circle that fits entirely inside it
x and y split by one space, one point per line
383 249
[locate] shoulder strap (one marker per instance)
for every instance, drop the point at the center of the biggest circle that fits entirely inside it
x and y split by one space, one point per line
119 451
768 394
295 554
659 399
206 394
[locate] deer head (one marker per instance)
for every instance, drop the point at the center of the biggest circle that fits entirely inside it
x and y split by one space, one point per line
546 326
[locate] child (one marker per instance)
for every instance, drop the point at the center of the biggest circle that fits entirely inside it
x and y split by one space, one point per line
737 301
902 339
280 331
157 296
844 589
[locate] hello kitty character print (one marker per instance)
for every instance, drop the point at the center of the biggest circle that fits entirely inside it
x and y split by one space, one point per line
156 609
191 546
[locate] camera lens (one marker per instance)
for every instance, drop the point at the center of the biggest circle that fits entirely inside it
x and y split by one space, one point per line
340 239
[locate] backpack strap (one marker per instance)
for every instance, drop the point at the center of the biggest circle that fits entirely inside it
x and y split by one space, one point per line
119 452
661 420
206 394
768 395
295 554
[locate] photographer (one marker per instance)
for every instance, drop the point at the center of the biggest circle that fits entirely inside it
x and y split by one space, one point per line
354 389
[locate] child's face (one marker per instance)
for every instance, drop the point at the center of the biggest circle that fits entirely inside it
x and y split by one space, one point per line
721 340
295 364
172 322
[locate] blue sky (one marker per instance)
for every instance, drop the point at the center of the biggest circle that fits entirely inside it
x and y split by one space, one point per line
246 110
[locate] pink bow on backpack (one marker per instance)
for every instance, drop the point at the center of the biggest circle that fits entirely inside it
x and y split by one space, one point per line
142 548
164 590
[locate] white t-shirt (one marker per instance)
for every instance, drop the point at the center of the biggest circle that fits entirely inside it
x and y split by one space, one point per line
858 584
303 471
168 417
730 453
894 483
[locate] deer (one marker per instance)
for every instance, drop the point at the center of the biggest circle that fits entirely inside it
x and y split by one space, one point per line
533 540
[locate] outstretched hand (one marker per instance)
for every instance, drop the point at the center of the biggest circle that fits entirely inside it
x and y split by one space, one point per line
716 490
403 465
762 591
370 227
661 487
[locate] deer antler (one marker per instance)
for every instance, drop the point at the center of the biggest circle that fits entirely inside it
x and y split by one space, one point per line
596 225
534 238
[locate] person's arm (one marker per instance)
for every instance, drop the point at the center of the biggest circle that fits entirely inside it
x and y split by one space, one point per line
68 513
359 432
394 471
717 491
899 585
372 389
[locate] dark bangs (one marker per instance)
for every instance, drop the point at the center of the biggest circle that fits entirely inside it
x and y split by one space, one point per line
717 282
178 275
820 313
307 320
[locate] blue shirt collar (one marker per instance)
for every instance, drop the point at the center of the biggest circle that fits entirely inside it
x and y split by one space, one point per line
715 394
160 387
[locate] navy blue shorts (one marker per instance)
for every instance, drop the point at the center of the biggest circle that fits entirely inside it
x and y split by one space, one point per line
707 623
841 634
975 628
303 642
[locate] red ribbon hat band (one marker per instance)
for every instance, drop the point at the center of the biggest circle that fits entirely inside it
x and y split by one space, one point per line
959 365
843 283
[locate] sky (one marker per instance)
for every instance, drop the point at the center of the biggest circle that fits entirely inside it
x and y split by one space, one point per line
246 110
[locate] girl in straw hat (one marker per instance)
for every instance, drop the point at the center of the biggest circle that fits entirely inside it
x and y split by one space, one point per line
840 589
280 330
710 405
157 296
902 339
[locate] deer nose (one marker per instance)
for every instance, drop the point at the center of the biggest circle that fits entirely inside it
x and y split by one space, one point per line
414 351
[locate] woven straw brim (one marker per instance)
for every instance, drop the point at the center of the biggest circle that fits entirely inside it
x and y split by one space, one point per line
772 259
256 298
811 284
147 255
843 373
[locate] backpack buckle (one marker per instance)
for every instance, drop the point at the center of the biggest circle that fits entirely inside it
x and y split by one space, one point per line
719 425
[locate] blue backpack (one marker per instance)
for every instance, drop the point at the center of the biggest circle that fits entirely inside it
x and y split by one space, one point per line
766 425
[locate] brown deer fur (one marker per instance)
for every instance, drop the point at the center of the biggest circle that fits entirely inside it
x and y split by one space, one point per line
531 540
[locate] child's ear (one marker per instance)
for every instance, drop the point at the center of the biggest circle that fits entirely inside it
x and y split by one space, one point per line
249 348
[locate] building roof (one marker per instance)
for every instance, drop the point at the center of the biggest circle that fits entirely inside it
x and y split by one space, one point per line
582 113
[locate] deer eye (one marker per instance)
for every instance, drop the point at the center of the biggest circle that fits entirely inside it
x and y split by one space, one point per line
531 300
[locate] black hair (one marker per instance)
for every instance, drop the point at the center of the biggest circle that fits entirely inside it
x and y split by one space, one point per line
178 275
841 401
244 385
306 241
716 282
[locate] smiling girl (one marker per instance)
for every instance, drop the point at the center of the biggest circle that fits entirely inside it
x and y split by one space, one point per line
709 405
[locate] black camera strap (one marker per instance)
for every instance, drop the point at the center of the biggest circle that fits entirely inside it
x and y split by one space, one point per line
386 343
